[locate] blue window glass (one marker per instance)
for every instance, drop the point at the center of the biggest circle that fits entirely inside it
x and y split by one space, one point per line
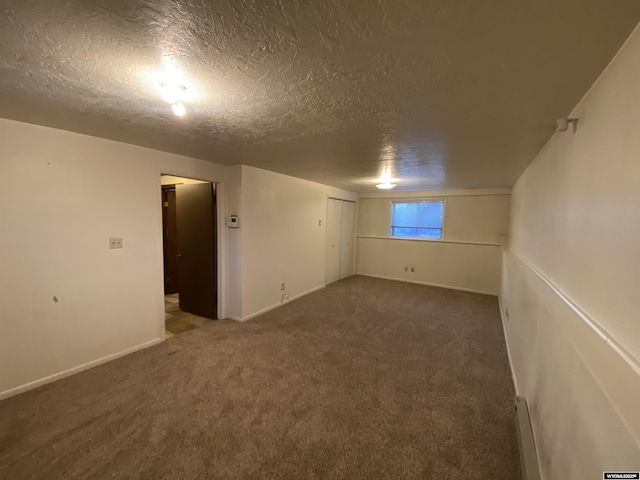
417 219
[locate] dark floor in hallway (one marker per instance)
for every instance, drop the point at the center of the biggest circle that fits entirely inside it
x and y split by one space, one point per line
366 378
176 321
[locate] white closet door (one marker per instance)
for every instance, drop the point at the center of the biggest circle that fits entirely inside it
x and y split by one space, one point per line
334 228
346 238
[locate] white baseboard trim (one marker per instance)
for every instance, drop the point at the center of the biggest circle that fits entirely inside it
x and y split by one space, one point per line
234 318
80 368
275 305
450 287
506 342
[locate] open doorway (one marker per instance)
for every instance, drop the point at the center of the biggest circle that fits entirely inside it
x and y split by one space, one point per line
189 253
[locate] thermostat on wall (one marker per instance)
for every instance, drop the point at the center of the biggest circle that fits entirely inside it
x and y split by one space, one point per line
233 221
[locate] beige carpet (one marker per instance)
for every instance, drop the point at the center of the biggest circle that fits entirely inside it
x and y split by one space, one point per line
366 378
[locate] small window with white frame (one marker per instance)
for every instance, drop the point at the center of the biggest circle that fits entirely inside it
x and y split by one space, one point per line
418 219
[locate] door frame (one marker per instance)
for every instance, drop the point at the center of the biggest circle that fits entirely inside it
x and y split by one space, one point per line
355 230
221 240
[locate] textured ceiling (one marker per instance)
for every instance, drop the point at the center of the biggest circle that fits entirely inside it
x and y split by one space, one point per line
449 94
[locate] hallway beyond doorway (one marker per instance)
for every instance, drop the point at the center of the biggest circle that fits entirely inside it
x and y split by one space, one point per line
176 321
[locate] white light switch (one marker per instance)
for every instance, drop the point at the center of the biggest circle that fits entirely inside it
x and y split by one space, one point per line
116 242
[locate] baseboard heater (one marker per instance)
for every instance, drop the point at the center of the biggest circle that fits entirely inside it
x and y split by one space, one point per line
526 444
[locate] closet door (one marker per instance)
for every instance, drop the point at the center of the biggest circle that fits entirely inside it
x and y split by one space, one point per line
346 238
334 228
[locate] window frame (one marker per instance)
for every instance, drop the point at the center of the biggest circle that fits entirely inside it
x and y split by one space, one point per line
420 200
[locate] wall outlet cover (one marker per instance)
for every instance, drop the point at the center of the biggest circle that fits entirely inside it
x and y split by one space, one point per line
116 242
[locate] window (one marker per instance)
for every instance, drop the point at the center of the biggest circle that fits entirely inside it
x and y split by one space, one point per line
417 219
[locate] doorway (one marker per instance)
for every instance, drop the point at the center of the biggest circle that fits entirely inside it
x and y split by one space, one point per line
341 220
189 253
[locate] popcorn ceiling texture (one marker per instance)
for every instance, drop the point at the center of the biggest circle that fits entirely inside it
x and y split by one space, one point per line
453 94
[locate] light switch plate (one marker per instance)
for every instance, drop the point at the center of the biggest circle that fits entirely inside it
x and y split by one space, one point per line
233 221
116 242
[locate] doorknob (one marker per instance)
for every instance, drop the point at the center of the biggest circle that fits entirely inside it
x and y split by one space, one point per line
179 255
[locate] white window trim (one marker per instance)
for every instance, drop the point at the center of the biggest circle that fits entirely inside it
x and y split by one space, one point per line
419 200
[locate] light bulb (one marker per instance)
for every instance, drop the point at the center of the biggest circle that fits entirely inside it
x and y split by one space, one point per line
386 186
178 109
172 93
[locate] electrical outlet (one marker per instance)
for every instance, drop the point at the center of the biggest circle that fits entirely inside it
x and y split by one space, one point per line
406 269
506 314
413 269
320 222
282 287
116 242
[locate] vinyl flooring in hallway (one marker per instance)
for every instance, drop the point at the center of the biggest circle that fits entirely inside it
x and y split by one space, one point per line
176 321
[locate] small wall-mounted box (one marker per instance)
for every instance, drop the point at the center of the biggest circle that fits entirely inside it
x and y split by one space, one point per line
233 221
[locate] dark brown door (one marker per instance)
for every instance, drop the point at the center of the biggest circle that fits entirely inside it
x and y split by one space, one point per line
195 207
170 241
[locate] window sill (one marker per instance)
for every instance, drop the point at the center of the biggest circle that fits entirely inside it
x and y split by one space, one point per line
418 239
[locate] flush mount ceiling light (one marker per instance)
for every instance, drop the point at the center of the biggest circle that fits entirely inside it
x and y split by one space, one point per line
178 109
173 87
385 179
173 93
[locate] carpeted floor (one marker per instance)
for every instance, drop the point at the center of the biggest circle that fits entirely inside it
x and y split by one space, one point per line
366 378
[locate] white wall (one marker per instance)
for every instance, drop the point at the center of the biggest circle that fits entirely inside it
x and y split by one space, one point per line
281 238
574 258
234 242
63 195
468 258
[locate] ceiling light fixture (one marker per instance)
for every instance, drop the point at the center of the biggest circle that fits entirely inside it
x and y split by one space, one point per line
386 179
178 109
173 93
173 87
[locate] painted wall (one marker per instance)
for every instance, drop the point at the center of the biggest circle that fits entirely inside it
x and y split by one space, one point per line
63 195
234 242
468 258
571 283
282 240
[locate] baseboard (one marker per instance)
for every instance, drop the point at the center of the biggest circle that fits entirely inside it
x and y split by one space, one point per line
506 342
275 305
85 366
529 465
449 287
